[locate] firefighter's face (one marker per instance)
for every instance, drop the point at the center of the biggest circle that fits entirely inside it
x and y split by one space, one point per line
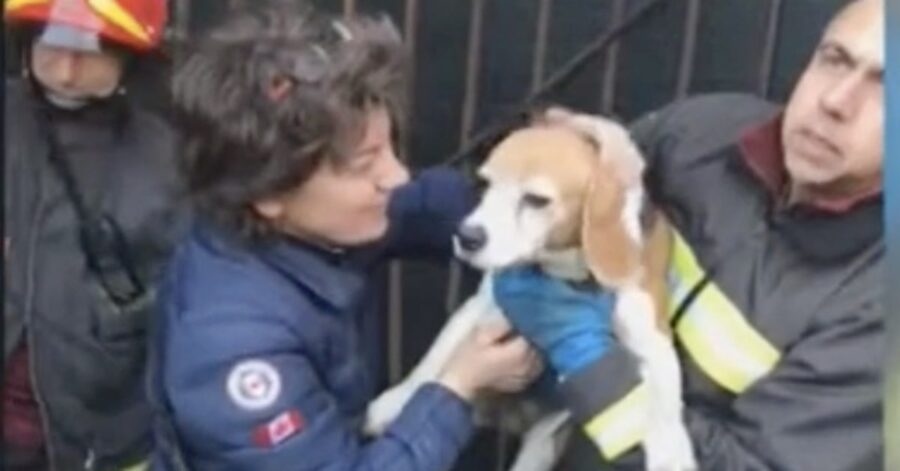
344 204
834 122
74 74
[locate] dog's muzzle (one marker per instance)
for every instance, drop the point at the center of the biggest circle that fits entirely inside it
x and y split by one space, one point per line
471 238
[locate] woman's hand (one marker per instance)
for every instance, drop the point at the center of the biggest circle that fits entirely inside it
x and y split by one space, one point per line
491 360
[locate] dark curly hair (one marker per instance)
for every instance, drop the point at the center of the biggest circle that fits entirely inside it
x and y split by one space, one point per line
273 91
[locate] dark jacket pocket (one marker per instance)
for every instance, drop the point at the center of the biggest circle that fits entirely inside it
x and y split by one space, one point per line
115 323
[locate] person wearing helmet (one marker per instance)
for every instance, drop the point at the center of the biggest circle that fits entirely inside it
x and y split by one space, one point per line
90 214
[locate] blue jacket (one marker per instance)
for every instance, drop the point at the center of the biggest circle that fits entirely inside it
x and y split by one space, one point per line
263 360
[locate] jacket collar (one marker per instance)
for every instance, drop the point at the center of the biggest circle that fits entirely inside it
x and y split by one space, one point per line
762 151
331 277
826 231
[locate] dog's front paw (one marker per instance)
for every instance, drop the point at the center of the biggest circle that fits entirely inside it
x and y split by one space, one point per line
669 449
385 409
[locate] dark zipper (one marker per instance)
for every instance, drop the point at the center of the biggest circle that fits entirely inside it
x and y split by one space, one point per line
29 307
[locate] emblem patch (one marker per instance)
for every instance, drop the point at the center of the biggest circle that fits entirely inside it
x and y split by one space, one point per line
254 384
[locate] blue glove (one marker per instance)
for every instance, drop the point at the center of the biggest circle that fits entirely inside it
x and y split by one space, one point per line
570 327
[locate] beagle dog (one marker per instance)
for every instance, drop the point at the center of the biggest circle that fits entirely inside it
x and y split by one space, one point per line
566 192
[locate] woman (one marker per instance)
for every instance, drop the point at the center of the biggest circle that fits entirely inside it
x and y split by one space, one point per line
290 121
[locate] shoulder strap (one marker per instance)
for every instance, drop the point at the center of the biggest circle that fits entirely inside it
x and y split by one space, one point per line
107 251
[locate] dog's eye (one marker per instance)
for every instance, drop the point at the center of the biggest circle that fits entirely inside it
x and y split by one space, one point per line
535 201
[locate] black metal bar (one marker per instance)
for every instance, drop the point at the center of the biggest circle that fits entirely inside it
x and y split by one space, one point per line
540 43
688 49
503 446
767 60
349 7
470 102
558 79
410 24
395 269
180 28
611 64
395 322
473 69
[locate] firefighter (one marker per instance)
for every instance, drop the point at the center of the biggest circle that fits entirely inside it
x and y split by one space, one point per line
777 275
90 216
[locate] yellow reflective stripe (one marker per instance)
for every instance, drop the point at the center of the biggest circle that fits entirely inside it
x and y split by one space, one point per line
711 359
16 4
112 11
713 331
684 272
142 466
684 262
622 425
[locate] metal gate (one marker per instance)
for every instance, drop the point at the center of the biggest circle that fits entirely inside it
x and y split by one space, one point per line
476 60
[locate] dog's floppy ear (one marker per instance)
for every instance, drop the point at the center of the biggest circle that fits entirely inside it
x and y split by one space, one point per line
610 228
610 137
612 253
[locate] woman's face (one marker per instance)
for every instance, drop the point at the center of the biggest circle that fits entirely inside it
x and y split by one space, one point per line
344 204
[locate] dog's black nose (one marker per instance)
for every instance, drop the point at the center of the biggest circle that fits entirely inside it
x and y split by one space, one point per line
471 238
